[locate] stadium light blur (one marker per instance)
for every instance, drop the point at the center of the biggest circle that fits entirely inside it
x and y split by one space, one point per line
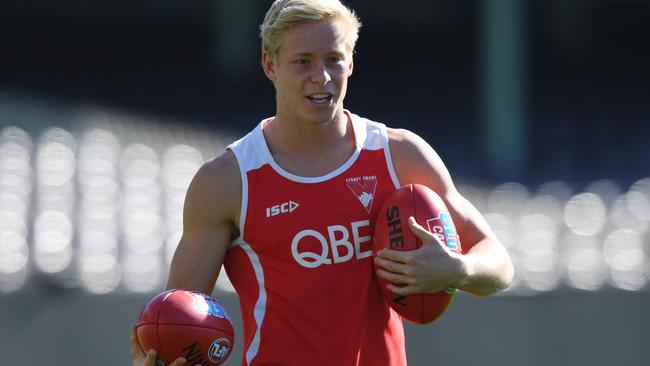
638 199
508 199
142 272
547 205
99 270
14 255
115 206
141 220
606 189
15 166
53 226
52 241
622 216
541 269
180 163
585 214
139 166
16 182
585 266
623 251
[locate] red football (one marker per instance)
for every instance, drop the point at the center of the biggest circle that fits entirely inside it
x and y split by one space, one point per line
392 231
190 324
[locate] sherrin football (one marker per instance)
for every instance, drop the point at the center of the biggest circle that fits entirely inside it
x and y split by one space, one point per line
190 324
392 231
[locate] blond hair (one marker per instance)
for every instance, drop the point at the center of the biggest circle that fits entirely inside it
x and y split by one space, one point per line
285 14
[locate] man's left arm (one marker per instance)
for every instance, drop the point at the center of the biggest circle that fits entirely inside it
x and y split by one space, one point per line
483 269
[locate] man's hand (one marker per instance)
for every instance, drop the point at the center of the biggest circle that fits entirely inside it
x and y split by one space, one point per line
428 269
138 358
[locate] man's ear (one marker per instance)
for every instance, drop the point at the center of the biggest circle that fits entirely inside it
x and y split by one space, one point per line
268 65
350 67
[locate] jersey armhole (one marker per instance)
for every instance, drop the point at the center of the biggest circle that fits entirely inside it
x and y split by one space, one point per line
389 158
244 201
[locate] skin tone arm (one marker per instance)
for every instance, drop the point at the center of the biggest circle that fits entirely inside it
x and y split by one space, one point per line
483 269
210 218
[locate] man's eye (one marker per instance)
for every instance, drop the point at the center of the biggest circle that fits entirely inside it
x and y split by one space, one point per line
335 59
302 62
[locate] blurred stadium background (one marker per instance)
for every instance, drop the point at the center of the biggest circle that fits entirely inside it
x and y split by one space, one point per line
540 108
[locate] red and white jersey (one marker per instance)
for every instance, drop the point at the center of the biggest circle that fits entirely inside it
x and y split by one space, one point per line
302 265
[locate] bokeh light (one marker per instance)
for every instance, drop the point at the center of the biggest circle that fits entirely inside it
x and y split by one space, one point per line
623 251
100 272
142 273
508 199
115 206
585 214
180 164
52 241
14 256
586 269
621 214
638 199
541 269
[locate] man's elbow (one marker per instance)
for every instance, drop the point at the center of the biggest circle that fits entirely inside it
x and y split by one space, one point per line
500 282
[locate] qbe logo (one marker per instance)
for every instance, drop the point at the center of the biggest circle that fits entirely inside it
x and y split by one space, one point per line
218 350
343 243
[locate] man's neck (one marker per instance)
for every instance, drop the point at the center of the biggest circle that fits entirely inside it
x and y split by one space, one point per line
291 135
310 149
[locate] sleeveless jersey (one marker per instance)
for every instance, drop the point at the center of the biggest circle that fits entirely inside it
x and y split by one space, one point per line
302 265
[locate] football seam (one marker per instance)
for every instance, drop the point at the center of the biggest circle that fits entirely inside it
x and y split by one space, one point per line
415 215
196 326
161 352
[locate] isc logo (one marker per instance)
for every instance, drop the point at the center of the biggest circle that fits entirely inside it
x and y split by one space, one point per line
286 207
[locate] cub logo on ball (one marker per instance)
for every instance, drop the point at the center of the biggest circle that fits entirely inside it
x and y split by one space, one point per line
218 350
444 229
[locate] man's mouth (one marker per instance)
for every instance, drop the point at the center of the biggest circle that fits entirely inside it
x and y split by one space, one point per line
320 98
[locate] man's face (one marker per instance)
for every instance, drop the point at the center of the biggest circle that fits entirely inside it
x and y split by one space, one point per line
311 71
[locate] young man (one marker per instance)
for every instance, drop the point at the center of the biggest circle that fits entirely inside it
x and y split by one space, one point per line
289 210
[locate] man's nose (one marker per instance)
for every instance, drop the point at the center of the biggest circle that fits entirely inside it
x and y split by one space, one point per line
321 75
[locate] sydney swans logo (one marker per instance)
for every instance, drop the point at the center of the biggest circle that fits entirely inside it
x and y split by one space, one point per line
364 189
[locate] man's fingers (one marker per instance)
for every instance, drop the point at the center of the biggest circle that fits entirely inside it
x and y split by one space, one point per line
390 265
394 277
423 234
135 346
418 230
178 362
150 360
403 290
395 255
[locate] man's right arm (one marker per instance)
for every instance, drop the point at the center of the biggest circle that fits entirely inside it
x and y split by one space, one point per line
210 218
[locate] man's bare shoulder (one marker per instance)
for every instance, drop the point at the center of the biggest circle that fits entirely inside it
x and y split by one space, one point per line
415 161
223 170
216 188
406 145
